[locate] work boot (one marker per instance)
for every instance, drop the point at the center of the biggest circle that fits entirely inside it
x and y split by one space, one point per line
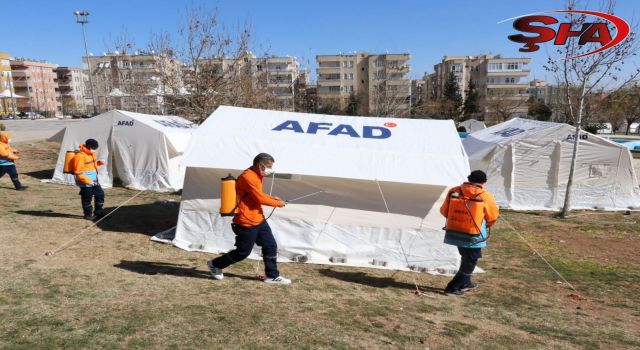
22 188
88 217
216 273
278 280
469 286
454 293
98 216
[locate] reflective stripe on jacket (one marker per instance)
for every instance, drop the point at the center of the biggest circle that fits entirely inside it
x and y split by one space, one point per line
85 167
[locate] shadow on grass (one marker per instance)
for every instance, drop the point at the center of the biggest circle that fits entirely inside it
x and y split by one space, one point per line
372 281
44 174
47 213
147 219
162 268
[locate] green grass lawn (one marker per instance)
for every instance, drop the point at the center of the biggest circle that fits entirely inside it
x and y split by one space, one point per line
114 288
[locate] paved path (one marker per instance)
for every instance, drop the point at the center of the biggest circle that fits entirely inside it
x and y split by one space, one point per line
26 130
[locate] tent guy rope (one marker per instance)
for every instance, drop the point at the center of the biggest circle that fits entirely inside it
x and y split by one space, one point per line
67 244
577 294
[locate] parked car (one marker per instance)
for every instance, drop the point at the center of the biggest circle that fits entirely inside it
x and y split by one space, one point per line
33 115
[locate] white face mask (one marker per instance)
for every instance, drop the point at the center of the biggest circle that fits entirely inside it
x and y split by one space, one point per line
267 171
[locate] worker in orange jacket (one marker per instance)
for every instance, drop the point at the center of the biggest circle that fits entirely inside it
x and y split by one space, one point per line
85 168
470 210
250 225
8 156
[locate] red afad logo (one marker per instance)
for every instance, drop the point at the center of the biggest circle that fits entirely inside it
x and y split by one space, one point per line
591 32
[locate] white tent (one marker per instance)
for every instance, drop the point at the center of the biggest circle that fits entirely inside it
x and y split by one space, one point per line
143 151
527 164
472 125
382 182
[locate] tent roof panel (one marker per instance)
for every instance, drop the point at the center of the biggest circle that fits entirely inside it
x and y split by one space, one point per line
385 149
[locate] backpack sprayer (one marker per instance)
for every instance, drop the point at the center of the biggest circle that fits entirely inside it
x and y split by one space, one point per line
464 211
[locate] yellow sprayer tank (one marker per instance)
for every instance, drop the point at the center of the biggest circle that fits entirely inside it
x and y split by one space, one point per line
66 169
228 202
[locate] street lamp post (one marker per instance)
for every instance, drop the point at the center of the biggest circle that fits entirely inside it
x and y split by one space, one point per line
81 17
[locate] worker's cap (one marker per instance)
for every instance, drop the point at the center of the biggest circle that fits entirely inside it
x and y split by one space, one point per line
477 176
91 144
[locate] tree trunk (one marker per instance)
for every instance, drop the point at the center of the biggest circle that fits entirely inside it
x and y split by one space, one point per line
574 158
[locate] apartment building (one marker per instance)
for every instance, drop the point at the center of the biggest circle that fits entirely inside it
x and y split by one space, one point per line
501 81
36 80
71 89
7 92
279 75
379 81
129 82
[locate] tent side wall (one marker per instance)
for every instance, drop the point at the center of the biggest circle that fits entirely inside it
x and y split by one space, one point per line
540 164
329 231
98 128
141 156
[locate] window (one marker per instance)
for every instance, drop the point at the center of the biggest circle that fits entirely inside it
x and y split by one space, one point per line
348 76
334 88
348 88
456 68
259 68
513 66
379 63
278 67
495 66
347 64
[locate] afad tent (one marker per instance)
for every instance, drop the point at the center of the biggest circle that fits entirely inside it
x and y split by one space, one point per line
527 164
363 191
143 151
472 125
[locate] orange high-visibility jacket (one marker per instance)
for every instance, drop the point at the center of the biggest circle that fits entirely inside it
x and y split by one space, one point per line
7 152
85 166
251 198
479 207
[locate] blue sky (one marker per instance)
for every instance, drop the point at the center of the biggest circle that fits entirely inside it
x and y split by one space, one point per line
46 29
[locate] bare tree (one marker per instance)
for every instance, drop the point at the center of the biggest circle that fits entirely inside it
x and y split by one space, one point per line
505 104
624 105
582 75
217 67
389 91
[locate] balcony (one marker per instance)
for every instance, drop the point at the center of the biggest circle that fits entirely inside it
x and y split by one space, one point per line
329 82
398 82
329 64
400 69
280 83
511 73
524 86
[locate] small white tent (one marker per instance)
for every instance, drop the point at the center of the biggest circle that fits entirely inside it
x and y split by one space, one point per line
143 151
381 180
472 125
527 164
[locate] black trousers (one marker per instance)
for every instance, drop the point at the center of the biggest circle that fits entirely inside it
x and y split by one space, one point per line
246 237
13 174
89 193
468 261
